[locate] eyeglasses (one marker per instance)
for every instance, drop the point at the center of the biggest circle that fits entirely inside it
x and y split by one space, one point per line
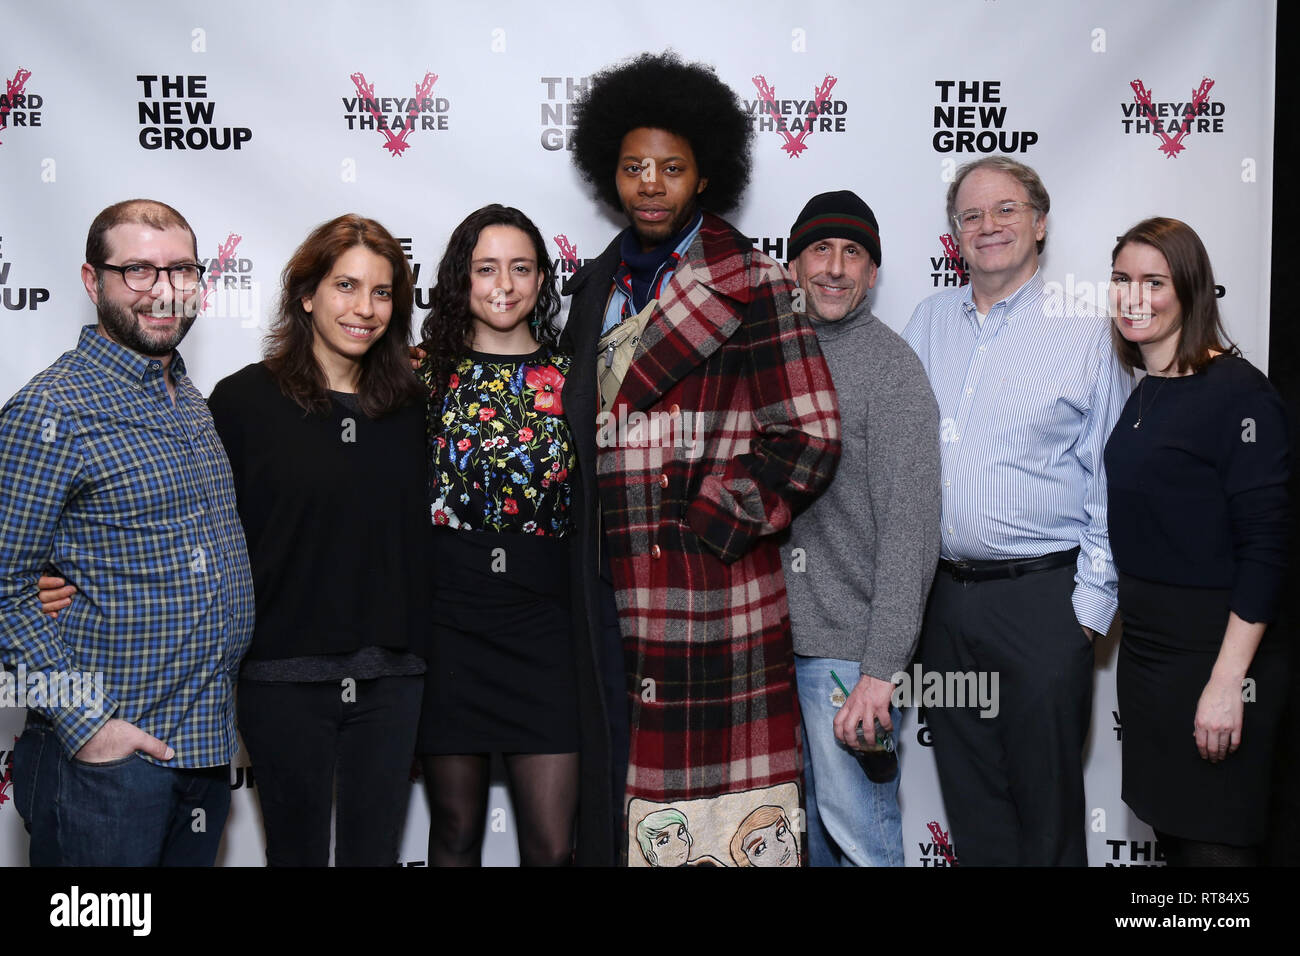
143 276
1003 214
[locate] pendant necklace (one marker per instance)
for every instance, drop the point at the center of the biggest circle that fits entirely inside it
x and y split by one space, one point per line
1154 395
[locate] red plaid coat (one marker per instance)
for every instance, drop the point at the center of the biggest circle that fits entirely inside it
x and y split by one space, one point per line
740 426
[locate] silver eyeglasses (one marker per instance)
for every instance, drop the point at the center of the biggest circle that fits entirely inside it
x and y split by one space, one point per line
1003 214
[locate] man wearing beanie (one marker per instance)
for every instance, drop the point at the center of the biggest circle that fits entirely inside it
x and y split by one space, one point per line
859 561
703 417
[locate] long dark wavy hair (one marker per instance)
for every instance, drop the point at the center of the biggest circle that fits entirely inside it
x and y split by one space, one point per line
386 382
448 330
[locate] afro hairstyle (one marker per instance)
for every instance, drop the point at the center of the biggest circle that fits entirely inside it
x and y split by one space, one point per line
659 91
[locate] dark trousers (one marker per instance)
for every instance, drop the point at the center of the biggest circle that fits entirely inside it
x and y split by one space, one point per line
126 812
1012 784
307 739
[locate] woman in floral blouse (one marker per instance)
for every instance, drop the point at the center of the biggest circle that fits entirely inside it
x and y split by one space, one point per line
501 662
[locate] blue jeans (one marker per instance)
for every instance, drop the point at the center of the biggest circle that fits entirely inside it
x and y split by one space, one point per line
851 821
127 812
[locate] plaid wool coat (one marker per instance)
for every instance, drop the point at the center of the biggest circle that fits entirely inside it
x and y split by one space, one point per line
726 421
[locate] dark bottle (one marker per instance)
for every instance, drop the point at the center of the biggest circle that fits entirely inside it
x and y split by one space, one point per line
878 758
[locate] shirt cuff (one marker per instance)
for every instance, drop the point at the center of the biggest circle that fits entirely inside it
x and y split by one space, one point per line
75 725
1094 607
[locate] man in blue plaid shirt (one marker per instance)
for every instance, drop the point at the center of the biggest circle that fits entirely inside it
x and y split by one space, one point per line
112 473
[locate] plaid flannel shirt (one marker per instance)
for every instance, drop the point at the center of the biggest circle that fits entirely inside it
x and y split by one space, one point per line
131 499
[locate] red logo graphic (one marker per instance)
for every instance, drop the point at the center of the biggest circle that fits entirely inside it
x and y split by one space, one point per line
7 780
795 145
225 253
13 88
395 144
941 841
568 251
953 252
1171 146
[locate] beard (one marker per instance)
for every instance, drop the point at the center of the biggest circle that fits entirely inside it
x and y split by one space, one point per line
126 328
653 235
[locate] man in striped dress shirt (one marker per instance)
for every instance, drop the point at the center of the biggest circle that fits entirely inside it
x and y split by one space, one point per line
111 472
1028 392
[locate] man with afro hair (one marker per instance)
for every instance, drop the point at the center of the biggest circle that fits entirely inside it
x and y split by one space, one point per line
704 417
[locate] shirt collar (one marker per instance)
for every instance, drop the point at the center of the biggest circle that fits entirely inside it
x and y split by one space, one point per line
1012 304
122 362
633 259
662 262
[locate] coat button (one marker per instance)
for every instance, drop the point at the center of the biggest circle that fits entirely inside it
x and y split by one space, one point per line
655 552
663 481
675 410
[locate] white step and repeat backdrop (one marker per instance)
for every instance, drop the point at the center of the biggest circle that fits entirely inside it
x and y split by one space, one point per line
252 119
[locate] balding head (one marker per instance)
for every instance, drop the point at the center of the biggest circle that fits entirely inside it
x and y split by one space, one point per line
148 212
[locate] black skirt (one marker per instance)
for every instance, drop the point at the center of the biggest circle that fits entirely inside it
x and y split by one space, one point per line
500 661
1172 636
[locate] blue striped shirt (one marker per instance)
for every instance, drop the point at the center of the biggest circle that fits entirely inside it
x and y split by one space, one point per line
1026 403
131 498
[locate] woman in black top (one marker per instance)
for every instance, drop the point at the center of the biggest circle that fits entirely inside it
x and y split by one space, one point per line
501 656
1196 470
324 440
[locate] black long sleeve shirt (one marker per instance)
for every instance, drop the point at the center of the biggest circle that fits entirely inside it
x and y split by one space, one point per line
1197 494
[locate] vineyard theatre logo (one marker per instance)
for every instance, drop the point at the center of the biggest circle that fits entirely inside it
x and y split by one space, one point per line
1170 123
969 118
795 120
938 851
7 779
557 110
229 289
568 262
176 113
19 106
16 298
396 117
949 269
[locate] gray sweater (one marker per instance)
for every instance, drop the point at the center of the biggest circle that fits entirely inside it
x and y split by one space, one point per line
859 560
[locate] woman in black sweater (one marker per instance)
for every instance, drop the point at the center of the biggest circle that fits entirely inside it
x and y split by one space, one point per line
324 439
1196 471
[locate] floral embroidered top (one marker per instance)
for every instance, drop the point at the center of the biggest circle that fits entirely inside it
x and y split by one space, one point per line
500 446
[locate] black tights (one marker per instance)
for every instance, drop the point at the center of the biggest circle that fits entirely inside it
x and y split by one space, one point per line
543 793
1183 852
